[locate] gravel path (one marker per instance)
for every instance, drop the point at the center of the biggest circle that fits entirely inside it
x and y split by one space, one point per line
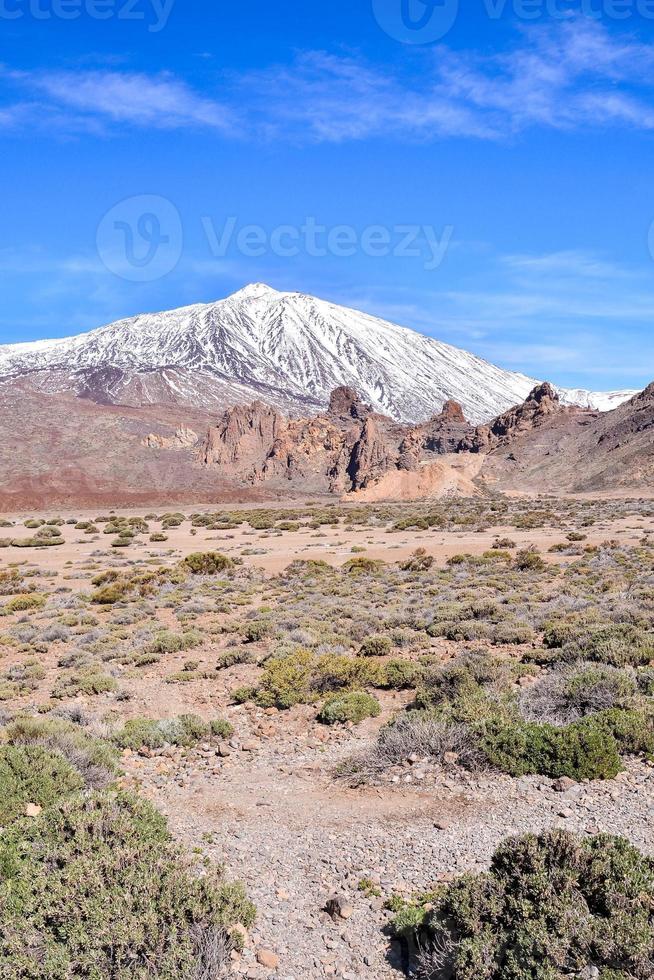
272 813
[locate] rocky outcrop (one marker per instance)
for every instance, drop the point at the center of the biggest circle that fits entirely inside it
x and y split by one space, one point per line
344 449
542 403
183 438
447 432
371 456
244 435
345 403
348 448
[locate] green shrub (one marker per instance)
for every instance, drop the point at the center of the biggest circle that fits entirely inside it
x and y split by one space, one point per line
376 646
352 706
286 681
89 681
512 633
222 728
583 750
93 758
186 730
362 566
549 907
466 676
256 630
169 642
528 560
21 603
419 561
301 677
620 644
31 774
107 595
96 885
632 729
207 563
399 674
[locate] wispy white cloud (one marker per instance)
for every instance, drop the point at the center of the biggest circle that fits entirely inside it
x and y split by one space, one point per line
87 99
566 75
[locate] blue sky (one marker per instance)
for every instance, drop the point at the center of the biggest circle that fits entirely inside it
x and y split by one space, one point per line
490 185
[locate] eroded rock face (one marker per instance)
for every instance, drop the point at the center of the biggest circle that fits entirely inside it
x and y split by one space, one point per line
371 457
448 432
184 438
345 403
541 403
347 448
343 449
350 448
244 434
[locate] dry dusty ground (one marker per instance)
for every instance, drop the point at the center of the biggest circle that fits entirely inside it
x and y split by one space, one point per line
267 805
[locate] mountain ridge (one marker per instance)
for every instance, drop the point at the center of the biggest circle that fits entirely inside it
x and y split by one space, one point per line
289 349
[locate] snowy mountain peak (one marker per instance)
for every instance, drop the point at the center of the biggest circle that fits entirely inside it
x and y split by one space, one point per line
255 290
287 348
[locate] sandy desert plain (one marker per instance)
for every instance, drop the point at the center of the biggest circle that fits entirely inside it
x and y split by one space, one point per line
335 703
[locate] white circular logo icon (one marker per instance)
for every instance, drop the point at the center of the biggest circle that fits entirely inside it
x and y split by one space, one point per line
141 238
416 21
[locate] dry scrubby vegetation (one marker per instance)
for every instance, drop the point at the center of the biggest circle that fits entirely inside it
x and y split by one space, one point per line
91 883
550 906
512 660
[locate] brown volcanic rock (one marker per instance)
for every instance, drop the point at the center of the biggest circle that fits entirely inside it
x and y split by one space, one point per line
244 435
57 450
372 456
345 449
541 403
577 450
447 432
345 403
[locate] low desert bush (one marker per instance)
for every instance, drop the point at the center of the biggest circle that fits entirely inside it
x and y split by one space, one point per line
186 730
23 603
207 563
376 646
29 774
550 906
90 681
301 677
93 758
528 560
169 642
352 706
620 644
419 561
96 885
411 734
575 690
583 750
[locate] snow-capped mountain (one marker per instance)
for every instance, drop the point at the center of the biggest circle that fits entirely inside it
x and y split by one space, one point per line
288 349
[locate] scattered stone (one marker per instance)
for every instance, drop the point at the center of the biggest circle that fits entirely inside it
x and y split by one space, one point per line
563 784
266 957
